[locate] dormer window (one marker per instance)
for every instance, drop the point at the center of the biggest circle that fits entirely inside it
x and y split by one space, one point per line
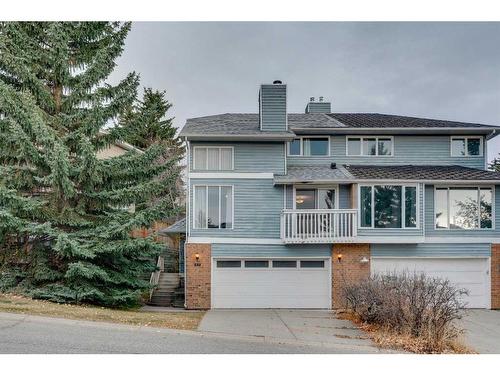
309 146
466 146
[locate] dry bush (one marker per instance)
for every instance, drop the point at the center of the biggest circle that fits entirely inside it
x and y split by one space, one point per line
410 304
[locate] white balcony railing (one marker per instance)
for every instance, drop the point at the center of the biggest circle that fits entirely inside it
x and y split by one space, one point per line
318 226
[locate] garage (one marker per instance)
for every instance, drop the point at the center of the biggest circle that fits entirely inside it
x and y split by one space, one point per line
469 273
271 283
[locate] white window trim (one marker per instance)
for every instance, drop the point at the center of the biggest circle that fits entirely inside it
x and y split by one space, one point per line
478 187
206 206
302 147
403 208
361 138
220 158
467 137
316 187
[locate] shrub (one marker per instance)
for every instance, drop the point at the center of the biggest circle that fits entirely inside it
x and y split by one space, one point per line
411 304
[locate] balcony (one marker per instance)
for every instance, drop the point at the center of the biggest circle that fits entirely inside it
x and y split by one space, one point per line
318 226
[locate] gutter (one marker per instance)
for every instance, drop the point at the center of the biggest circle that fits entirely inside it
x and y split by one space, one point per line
387 181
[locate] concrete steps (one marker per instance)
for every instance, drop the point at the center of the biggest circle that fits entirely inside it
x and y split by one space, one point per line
169 291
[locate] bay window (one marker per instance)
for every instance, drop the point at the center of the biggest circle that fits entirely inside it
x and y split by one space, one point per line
370 146
463 207
213 158
388 206
213 207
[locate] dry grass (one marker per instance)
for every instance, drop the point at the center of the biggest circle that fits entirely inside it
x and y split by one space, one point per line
386 339
177 320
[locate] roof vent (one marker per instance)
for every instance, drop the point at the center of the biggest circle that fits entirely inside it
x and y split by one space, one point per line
311 99
320 98
333 166
277 82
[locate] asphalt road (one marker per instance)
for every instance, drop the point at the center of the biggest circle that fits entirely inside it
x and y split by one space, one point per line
41 335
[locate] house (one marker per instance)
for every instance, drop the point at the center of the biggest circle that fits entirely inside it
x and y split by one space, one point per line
286 208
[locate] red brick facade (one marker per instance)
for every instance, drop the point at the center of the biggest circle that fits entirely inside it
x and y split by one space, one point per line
198 276
350 268
495 276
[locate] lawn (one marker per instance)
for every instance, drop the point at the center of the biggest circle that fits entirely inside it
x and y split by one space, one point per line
177 320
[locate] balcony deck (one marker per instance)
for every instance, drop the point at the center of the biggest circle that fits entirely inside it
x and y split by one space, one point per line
319 226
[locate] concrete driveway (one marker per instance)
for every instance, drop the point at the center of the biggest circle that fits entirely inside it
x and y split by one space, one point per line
482 330
309 327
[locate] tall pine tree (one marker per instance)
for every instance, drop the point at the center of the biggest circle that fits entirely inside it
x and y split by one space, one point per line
64 232
146 122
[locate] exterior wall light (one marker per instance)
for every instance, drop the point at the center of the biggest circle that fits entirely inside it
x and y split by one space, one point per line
364 260
197 256
339 258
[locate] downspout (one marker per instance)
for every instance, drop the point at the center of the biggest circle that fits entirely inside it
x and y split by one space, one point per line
188 219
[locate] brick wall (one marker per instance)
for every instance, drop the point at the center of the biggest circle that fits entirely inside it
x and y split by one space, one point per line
349 269
495 276
198 276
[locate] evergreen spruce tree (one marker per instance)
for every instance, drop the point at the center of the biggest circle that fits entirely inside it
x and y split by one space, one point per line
65 232
147 123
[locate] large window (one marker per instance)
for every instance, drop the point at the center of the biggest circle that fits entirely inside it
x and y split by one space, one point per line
370 146
309 146
388 206
466 146
213 207
213 158
463 207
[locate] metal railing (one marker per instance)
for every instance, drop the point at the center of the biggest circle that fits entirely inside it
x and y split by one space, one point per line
155 275
318 226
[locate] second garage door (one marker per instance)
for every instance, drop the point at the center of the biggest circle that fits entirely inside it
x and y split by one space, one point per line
271 283
469 273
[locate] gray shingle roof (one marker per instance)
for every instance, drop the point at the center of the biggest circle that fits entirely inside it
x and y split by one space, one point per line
247 124
420 172
378 120
310 173
177 227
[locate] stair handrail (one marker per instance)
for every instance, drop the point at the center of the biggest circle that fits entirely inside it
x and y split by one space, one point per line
155 275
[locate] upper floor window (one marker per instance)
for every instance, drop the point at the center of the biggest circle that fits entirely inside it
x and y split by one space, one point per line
213 158
370 146
388 206
463 207
466 146
213 207
309 146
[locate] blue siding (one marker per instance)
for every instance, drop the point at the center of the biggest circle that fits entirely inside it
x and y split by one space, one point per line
431 231
251 157
273 107
345 196
408 149
431 250
257 208
239 250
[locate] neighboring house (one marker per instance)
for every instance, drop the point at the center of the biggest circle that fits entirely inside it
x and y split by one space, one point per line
285 208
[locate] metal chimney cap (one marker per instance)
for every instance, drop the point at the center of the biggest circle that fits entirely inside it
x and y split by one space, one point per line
277 82
311 99
320 98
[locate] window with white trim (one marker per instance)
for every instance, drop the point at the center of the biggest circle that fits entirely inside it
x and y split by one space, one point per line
213 207
460 207
466 146
388 206
309 146
213 158
370 146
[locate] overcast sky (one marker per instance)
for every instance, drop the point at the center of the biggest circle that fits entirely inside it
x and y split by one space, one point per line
437 70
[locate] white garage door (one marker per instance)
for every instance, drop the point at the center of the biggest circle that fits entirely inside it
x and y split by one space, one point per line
471 274
271 283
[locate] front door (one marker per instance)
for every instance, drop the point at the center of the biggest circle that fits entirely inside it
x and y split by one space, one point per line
308 223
